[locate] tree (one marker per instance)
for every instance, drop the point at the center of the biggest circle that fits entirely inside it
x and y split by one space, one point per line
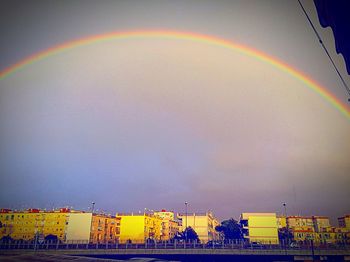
285 235
231 229
51 238
6 239
191 235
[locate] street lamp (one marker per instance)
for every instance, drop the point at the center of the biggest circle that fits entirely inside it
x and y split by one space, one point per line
287 227
285 209
93 207
186 222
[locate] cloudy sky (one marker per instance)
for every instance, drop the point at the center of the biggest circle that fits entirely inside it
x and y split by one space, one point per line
154 122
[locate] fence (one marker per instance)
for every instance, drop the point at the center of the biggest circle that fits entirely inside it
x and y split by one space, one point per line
52 245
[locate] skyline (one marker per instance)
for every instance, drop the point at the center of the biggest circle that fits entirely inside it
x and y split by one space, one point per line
155 122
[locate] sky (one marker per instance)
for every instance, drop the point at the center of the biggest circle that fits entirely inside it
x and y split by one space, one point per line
153 122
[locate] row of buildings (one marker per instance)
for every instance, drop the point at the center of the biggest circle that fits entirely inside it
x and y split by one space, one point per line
268 228
71 226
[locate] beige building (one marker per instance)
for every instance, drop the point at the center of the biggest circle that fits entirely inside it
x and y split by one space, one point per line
300 221
104 229
320 222
169 226
92 228
315 222
260 227
203 223
315 228
79 228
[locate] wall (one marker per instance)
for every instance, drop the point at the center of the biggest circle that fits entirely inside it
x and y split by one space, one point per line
78 228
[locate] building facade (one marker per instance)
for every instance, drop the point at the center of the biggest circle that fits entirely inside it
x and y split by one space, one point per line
281 222
104 229
92 228
344 224
169 226
260 227
315 228
202 223
33 223
139 227
64 225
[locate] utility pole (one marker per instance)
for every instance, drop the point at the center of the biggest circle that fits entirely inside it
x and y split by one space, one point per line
186 222
287 226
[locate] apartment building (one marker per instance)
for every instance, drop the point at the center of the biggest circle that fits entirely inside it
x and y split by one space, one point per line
202 223
33 223
314 228
139 227
64 224
260 227
169 226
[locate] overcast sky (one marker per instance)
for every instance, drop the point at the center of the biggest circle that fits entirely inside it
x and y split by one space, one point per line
152 122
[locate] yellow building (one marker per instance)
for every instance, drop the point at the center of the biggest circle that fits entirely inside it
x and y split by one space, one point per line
260 227
281 222
300 221
55 223
137 228
202 223
302 234
26 225
169 226
320 222
68 226
344 223
316 228
302 228
331 235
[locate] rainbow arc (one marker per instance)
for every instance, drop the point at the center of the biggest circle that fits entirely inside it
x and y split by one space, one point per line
311 84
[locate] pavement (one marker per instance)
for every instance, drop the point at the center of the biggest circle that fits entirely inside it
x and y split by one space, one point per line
48 257
59 257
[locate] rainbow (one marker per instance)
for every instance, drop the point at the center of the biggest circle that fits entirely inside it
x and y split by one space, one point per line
311 84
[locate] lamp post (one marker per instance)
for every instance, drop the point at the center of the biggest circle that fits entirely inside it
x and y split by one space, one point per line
92 218
186 222
287 227
93 207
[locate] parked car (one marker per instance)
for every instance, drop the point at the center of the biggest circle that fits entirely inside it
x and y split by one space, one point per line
294 245
214 244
